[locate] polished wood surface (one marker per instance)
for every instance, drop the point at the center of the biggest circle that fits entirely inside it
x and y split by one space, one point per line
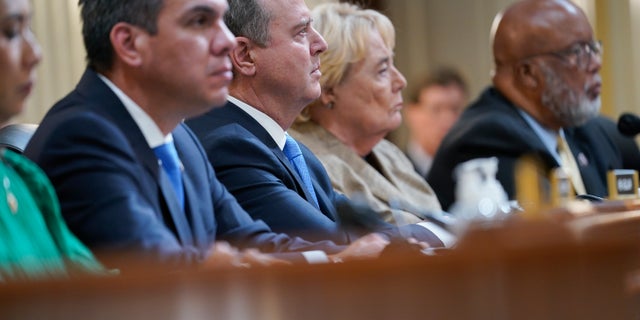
519 270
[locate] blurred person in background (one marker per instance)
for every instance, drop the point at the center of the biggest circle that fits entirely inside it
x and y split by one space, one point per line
545 95
436 103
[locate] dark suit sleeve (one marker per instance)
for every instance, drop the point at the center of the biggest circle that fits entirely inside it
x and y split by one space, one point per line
236 226
481 139
104 196
598 148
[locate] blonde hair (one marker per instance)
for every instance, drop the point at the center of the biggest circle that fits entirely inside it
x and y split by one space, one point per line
346 27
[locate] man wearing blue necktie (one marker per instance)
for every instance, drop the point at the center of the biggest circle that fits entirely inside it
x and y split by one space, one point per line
130 176
276 74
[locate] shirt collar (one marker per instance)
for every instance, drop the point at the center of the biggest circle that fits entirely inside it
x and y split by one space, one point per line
272 127
549 137
150 130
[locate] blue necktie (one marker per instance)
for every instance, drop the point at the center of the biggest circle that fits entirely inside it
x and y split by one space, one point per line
293 153
171 163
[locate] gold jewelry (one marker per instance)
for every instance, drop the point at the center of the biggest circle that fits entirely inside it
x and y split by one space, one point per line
12 201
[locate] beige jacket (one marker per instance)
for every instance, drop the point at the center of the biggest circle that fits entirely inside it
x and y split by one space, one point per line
398 186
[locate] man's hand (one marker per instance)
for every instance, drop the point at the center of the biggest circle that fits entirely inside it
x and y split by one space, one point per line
226 256
367 247
253 257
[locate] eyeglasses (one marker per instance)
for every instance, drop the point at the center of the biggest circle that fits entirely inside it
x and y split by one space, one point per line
579 54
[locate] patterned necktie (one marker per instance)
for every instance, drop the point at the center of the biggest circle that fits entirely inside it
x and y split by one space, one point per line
170 162
293 153
570 166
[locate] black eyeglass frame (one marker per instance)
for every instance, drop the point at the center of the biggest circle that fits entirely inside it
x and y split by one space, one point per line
578 54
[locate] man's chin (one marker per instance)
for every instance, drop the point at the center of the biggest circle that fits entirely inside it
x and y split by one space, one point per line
219 100
577 121
313 96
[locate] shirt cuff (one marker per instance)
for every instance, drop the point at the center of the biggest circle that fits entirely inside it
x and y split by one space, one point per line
447 237
315 257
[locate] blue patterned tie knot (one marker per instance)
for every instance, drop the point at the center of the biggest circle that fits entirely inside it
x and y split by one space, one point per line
170 162
293 153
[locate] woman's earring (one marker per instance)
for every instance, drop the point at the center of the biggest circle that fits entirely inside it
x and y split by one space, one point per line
329 105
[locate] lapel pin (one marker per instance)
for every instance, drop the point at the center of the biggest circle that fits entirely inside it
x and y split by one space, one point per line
582 159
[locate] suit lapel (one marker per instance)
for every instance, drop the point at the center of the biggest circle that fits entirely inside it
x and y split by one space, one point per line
381 186
246 121
294 173
189 207
175 212
191 200
377 184
493 102
586 163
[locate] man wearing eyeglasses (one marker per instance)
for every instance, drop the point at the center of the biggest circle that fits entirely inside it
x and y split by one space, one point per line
546 89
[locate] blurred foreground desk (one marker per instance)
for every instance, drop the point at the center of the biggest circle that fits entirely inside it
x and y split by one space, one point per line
533 270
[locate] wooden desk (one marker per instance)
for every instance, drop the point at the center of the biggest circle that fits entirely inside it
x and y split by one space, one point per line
526 271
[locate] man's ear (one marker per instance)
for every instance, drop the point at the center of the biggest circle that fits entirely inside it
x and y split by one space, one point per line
242 57
127 41
528 75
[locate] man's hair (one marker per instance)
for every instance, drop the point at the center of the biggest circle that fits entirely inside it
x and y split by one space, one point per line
248 18
99 17
443 77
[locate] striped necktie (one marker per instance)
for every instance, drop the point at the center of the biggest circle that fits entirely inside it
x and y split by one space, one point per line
569 165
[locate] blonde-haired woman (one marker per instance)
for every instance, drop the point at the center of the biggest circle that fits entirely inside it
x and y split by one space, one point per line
361 102
34 240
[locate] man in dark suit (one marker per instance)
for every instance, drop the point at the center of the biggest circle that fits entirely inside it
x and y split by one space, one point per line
150 66
546 87
276 74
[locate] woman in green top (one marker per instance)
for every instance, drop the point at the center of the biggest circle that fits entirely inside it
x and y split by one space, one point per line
35 243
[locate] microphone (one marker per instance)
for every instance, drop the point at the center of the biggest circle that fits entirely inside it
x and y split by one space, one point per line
629 124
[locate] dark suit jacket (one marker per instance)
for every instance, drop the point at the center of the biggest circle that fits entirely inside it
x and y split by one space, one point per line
254 169
492 127
115 197
628 147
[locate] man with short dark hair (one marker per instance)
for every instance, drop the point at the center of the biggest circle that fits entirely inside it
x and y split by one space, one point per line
435 105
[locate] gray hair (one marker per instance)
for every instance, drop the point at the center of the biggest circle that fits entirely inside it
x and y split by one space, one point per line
248 18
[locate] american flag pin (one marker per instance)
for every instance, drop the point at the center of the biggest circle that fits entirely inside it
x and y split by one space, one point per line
582 159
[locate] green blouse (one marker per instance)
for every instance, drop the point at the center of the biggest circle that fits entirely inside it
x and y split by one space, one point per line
35 242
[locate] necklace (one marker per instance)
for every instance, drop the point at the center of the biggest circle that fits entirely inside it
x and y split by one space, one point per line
12 201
